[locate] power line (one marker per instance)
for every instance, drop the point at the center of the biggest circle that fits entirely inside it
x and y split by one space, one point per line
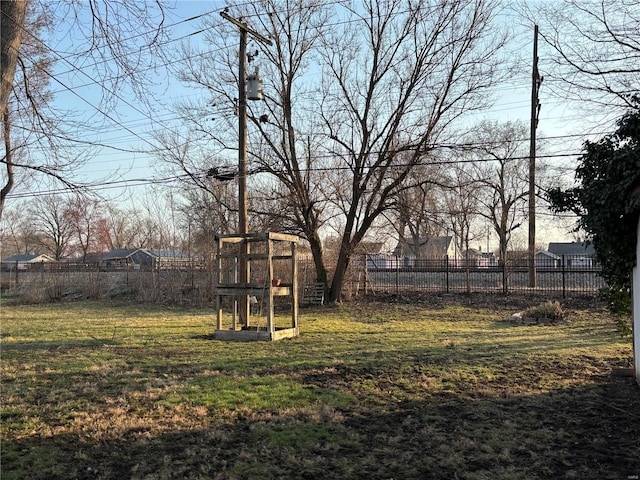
171 179
123 125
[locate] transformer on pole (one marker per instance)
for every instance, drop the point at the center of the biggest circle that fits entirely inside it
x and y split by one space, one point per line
254 86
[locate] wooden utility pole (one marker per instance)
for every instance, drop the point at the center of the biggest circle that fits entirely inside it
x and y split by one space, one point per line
243 217
536 81
243 223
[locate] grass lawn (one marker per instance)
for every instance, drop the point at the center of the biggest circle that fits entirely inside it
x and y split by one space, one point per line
100 390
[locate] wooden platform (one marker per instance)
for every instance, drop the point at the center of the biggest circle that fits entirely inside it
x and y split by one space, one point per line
237 286
251 335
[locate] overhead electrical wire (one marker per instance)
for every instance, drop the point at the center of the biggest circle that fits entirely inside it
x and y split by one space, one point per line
171 179
67 88
136 134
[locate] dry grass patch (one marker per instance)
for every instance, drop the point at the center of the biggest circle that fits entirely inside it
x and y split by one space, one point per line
109 391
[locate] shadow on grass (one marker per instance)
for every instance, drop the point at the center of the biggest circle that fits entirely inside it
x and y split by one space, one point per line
57 344
589 432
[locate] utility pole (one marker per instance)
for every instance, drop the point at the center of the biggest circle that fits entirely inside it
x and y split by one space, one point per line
243 221
536 81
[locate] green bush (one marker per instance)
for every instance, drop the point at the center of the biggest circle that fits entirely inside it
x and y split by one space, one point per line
619 304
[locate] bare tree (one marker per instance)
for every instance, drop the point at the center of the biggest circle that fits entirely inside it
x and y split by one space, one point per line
501 170
207 189
290 135
118 228
18 234
84 215
394 75
49 214
418 210
204 215
462 205
396 79
154 222
597 49
12 20
122 43
27 94
284 131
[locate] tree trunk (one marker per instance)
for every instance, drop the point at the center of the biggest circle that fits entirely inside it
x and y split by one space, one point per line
316 251
12 16
339 276
348 245
8 159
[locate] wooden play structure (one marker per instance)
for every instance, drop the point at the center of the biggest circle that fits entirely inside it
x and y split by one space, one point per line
252 271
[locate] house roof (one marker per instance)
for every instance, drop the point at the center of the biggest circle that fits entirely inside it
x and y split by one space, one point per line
571 248
438 244
433 246
20 258
548 254
29 257
121 253
118 253
168 253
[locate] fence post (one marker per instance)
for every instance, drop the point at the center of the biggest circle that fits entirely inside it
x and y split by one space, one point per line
564 278
446 269
366 273
505 280
397 275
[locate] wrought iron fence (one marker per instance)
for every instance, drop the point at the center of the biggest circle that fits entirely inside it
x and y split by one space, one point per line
567 275
561 277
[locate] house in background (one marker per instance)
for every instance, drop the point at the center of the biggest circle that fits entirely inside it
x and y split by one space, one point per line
575 254
141 258
425 248
372 251
118 259
478 259
25 261
91 258
546 259
170 259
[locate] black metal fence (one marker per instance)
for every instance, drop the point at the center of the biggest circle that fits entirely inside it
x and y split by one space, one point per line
175 284
564 276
